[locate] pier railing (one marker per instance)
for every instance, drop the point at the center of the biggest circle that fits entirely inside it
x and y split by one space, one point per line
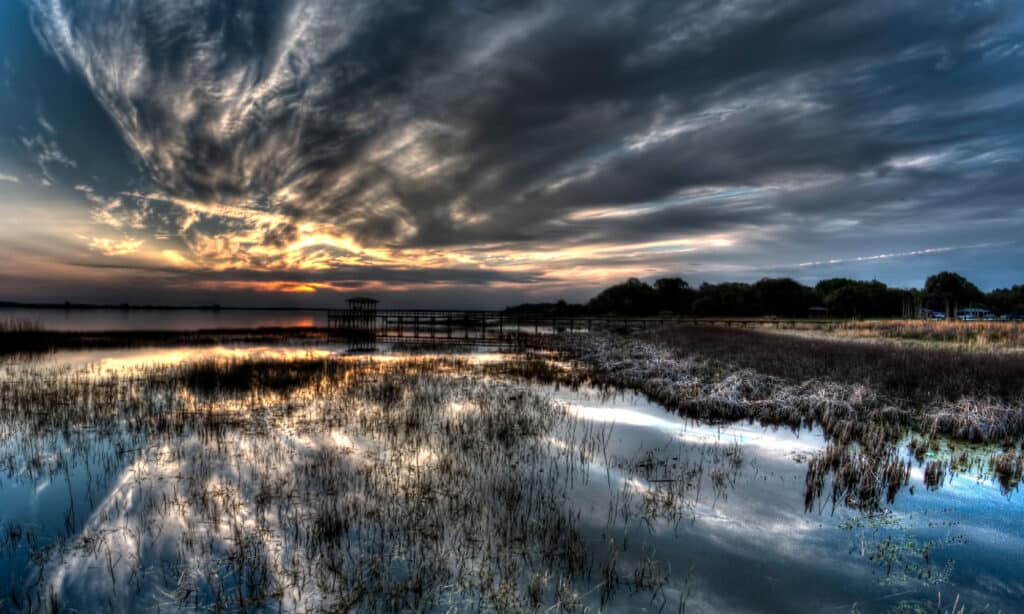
455 326
500 327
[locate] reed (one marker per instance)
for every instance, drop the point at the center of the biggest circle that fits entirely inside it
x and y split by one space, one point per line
865 398
965 335
326 484
427 482
910 374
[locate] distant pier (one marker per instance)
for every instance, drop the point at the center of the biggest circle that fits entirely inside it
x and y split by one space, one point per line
456 326
362 324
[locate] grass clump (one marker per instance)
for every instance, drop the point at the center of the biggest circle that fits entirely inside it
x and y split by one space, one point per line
315 484
1008 467
866 398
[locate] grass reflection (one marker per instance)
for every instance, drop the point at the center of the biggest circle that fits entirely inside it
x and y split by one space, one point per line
266 478
313 482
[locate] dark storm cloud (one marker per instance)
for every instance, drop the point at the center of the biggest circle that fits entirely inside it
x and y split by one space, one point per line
341 276
798 126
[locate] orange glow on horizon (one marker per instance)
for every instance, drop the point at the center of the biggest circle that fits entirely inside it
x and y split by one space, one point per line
242 237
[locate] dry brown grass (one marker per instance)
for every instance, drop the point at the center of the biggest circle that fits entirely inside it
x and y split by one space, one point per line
867 398
968 335
913 376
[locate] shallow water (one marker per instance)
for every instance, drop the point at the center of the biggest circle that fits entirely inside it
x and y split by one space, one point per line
88 320
752 547
713 515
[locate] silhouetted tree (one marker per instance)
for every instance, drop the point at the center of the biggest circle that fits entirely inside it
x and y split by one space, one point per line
1006 300
725 299
632 298
783 297
559 308
674 295
852 298
950 291
826 287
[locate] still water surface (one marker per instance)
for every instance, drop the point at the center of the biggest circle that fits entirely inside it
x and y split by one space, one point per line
743 542
87 320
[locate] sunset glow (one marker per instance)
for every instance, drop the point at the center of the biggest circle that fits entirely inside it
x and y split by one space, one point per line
175 153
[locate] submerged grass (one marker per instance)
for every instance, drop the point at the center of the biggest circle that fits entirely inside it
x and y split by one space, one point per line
865 398
327 483
324 484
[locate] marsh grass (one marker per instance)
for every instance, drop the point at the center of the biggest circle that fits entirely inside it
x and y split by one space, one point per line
866 399
908 374
1008 467
967 335
983 336
327 484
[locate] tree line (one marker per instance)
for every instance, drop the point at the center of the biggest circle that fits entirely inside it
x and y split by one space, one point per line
944 292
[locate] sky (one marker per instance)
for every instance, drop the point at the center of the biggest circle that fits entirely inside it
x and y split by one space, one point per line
444 153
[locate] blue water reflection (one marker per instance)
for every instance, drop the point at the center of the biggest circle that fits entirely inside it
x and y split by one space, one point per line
752 547
718 509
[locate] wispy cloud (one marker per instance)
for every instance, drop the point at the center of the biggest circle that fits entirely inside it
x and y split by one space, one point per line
112 212
47 126
113 247
906 254
547 142
47 154
8 178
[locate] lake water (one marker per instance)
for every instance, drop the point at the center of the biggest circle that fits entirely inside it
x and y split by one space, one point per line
162 319
693 516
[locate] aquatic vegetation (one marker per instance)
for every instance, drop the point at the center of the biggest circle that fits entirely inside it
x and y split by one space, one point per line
885 540
322 484
916 377
777 380
316 481
1008 467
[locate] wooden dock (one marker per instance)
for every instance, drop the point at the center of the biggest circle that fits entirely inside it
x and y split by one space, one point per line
501 327
471 327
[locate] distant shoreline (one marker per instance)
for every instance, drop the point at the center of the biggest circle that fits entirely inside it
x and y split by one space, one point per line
128 307
37 341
